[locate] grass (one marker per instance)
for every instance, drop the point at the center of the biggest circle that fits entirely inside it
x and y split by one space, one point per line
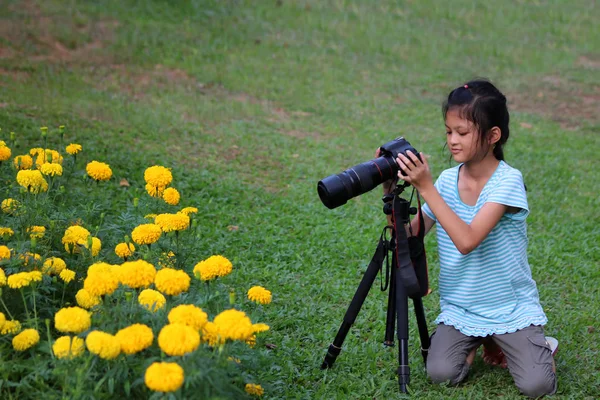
251 103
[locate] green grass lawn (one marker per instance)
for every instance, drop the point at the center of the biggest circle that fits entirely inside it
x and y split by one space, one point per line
252 102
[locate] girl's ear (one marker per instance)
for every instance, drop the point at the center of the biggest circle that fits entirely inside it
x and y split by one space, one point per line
495 135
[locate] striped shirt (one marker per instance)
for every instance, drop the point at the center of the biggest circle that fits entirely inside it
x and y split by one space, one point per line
490 290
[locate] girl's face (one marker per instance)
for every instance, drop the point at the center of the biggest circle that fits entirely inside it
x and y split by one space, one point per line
461 137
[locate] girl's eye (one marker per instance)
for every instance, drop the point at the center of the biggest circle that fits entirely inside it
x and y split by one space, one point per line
448 133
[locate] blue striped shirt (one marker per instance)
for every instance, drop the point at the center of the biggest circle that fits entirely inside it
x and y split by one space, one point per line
490 290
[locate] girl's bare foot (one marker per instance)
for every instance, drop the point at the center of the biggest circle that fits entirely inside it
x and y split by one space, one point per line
493 355
471 356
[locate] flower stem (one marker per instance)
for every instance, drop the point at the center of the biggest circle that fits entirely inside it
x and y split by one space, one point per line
25 304
6 308
34 307
49 337
62 300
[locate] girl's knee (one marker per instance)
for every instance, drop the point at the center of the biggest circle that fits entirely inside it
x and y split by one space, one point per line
441 371
538 384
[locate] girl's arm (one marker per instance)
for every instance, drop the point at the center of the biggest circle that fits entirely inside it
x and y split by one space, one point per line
466 237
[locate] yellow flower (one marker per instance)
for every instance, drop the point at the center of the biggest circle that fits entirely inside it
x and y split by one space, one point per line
23 162
51 169
101 279
137 274
167 260
164 377
124 250
72 320
172 222
73 148
259 294
4 252
150 216
146 234
54 265
73 235
102 344
234 325
99 171
2 282
86 300
210 334
67 275
155 191
189 210
213 267
151 300
171 196
10 327
29 258
26 340
47 156
189 315
5 153
158 176
2 319
135 338
6 231
257 328
36 231
178 339
9 206
68 347
172 281
36 151
32 180
254 390
96 245
23 279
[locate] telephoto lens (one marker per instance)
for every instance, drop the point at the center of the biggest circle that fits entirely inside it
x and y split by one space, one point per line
336 190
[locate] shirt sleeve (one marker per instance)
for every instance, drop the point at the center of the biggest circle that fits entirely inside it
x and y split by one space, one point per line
425 208
510 191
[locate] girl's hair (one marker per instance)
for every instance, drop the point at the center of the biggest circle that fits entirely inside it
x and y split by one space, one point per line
480 102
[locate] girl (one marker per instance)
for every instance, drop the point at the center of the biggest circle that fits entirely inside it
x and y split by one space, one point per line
479 208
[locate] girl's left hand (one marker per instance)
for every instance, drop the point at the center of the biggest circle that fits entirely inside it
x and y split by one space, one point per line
417 171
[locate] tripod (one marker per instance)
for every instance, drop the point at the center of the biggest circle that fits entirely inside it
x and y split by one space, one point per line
403 283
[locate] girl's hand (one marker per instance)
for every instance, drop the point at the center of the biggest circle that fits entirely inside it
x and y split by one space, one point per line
417 171
390 185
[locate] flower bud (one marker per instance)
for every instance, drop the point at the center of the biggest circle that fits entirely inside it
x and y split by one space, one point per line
136 201
44 130
232 297
12 136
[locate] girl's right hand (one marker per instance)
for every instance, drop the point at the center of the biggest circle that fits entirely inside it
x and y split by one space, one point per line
388 185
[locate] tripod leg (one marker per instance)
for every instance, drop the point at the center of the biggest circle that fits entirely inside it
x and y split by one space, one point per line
422 325
402 333
390 321
355 305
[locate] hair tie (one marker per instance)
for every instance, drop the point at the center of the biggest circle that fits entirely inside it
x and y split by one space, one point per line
466 86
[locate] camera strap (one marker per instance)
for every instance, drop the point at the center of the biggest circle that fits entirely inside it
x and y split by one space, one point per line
403 254
418 256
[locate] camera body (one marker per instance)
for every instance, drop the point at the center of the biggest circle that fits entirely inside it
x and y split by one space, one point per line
336 190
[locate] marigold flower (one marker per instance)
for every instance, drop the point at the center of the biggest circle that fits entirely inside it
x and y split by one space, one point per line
4 253
102 279
54 265
150 216
210 334
146 234
73 235
2 319
151 300
166 260
137 274
188 314
189 210
158 176
44 156
213 267
254 389
178 339
68 347
259 294
51 169
5 153
164 377
26 340
135 338
72 320
36 151
155 191
102 344
29 258
9 206
32 180
257 328
86 300
73 148
23 279
6 231
124 250
2 283
23 162
172 281
36 231
96 245
98 171
171 196
234 325
172 222
67 275
10 327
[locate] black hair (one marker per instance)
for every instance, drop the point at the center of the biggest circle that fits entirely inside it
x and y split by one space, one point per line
480 102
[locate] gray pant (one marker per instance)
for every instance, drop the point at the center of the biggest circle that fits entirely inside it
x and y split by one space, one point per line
528 356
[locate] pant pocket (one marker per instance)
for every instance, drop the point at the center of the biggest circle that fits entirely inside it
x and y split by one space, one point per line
541 352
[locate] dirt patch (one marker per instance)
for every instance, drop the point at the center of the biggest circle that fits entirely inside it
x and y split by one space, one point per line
568 103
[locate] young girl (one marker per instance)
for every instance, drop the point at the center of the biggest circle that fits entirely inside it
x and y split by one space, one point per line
479 208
